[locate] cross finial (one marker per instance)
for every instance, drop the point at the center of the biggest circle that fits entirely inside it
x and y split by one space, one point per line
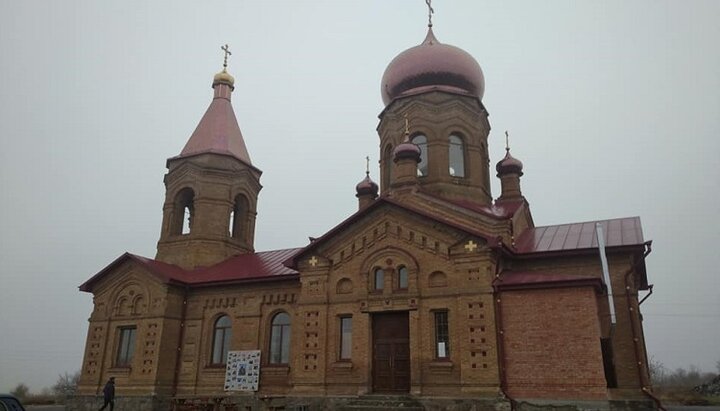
226 49
407 126
507 141
430 12
367 166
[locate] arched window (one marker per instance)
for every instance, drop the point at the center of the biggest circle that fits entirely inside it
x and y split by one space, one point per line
456 155
183 212
421 141
221 340
280 339
378 279
402 283
238 217
387 166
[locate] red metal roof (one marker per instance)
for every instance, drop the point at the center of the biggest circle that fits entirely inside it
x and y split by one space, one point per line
244 267
218 131
262 266
565 237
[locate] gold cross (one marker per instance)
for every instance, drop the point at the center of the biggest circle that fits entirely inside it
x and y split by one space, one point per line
367 165
470 246
313 261
226 49
507 141
407 128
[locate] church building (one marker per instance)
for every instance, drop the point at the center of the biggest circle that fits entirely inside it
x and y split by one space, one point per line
435 293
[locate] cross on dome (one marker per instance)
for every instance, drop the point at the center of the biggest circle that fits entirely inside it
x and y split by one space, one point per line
226 49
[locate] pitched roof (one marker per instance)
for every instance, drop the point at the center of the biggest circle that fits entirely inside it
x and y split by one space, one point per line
244 268
218 131
380 201
579 236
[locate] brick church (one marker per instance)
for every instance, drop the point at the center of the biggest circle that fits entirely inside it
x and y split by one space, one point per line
434 292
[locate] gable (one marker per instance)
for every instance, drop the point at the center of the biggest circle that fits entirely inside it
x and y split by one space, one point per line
127 289
386 225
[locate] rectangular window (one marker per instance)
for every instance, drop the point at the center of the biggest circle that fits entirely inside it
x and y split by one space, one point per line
442 340
345 338
126 346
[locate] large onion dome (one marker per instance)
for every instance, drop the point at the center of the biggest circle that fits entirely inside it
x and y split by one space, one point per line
432 66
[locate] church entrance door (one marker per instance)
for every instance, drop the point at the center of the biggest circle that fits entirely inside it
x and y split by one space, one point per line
391 352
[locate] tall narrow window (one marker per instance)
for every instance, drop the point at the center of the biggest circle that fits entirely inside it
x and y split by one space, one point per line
456 155
421 141
126 347
183 212
187 216
280 339
379 279
402 278
387 167
442 346
345 338
239 214
221 340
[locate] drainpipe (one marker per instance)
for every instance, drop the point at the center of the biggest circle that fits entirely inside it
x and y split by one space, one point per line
606 276
650 286
501 337
644 380
178 355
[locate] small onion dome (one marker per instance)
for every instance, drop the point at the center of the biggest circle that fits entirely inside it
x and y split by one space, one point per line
366 187
407 149
224 77
432 66
509 165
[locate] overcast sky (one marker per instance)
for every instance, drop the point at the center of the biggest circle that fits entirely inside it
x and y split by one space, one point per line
613 106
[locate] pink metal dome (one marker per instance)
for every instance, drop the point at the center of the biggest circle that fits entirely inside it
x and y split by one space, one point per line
432 66
509 165
366 187
407 149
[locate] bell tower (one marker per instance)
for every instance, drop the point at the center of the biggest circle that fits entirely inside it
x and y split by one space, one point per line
211 189
438 88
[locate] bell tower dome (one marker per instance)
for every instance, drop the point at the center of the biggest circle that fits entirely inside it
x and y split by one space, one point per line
439 88
211 189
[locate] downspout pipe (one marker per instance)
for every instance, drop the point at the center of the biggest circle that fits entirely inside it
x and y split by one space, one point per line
650 286
644 379
178 354
501 337
606 276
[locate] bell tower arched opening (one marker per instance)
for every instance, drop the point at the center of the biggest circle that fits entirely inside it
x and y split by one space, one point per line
183 212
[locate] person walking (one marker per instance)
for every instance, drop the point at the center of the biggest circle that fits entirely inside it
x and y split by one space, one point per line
109 394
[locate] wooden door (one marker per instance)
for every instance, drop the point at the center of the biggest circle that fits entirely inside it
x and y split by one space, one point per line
391 352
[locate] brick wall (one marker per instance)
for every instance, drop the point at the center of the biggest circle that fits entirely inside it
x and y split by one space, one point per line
552 344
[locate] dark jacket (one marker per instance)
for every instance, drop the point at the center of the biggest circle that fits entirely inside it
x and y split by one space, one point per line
109 390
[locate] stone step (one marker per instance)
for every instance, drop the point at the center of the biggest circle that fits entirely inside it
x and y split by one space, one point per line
383 402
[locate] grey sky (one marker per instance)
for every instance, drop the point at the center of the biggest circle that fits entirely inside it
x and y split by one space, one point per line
613 107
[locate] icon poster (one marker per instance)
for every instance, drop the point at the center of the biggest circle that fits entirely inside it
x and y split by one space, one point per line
243 371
